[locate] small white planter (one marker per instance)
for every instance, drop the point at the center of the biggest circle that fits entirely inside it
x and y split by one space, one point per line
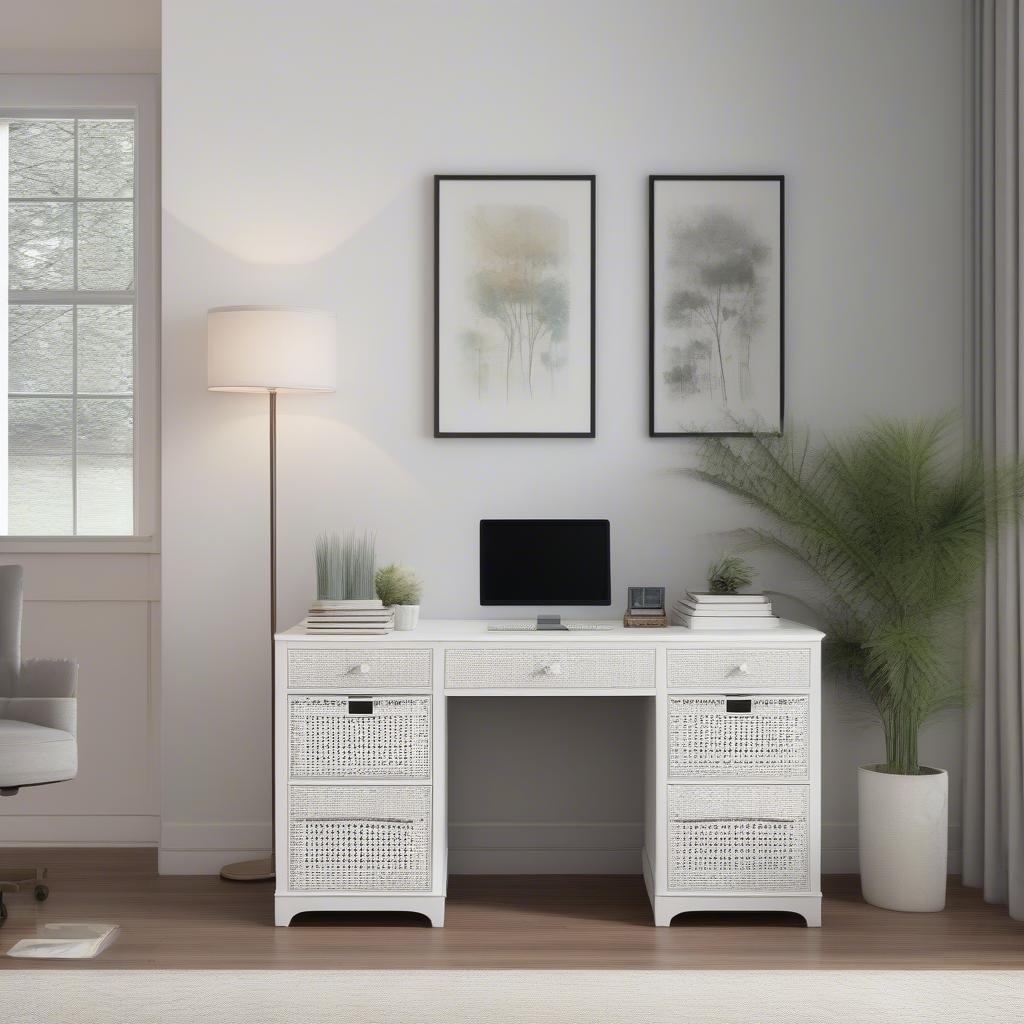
903 838
406 615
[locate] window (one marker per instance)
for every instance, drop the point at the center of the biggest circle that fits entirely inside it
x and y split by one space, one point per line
71 355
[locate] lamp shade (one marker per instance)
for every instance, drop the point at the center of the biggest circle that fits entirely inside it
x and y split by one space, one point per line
270 348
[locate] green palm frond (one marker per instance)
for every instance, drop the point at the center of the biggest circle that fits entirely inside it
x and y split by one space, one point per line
893 522
728 574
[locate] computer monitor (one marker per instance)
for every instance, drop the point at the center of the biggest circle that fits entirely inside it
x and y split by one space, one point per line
545 562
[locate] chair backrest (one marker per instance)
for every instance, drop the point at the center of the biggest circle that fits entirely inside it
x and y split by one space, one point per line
10 628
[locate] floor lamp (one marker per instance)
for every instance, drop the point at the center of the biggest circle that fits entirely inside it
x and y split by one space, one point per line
269 350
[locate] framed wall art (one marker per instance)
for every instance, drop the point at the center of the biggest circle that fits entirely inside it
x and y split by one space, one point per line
514 306
716 304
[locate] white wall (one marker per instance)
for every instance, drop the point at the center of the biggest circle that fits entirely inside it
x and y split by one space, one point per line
299 143
81 37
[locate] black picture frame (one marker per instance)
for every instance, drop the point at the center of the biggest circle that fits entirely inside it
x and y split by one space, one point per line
592 181
652 323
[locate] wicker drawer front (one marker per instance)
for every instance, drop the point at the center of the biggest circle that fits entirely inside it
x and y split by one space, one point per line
359 838
744 668
361 737
753 737
549 669
728 838
356 668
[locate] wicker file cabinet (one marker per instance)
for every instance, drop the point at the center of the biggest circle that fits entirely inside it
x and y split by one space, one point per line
732 814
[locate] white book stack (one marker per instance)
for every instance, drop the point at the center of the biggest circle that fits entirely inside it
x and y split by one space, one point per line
724 611
366 617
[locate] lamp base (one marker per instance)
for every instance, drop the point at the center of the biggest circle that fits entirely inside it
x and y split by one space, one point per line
259 870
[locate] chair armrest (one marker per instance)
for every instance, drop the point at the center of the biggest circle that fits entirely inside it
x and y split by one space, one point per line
45 694
47 678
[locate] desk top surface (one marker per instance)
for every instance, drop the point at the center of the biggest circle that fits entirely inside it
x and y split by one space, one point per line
435 631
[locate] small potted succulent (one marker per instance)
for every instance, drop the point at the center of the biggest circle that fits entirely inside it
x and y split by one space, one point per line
400 588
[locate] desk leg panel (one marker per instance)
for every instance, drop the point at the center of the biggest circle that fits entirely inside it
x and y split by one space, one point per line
431 907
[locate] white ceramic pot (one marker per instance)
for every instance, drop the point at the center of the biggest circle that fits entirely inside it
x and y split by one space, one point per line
406 615
903 838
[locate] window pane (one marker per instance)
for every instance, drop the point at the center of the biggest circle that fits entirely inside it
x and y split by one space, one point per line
71 218
105 349
105 495
42 159
105 425
39 426
105 246
39 495
40 246
106 159
40 339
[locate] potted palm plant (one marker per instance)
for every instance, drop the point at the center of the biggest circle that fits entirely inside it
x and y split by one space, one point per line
892 523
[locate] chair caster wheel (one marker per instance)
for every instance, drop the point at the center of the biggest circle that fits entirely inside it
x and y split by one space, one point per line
41 892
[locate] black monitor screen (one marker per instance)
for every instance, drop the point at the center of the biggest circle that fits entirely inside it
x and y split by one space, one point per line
545 561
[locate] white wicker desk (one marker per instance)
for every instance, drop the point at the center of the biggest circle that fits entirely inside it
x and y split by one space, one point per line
732 811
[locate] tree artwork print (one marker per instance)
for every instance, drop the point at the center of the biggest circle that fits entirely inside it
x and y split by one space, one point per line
514 306
716 305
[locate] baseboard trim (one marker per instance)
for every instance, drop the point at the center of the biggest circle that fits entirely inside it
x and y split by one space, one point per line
486 848
202 862
204 847
544 862
79 830
840 853
209 835
546 848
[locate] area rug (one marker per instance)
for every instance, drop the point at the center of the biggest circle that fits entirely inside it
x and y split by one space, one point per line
511 997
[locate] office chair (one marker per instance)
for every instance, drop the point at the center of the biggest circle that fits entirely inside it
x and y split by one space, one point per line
38 711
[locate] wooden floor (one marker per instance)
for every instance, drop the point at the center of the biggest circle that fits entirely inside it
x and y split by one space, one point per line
558 921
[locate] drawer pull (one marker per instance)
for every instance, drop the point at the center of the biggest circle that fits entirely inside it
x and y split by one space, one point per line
552 670
365 707
363 669
737 707
743 669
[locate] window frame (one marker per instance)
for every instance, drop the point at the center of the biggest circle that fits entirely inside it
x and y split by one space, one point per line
136 96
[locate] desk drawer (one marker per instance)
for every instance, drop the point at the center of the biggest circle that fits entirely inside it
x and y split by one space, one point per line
738 668
548 668
359 838
730 838
358 738
756 737
358 668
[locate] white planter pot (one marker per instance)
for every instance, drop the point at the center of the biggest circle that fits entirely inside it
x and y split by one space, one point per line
903 838
406 615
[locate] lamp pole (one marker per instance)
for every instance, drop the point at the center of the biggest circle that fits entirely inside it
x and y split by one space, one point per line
263 869
273 624
269 349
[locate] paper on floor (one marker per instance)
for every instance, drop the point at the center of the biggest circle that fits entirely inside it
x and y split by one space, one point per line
78 941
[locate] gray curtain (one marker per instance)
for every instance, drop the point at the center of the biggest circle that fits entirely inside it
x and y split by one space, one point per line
993 815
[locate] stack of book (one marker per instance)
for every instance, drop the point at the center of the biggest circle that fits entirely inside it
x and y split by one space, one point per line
724 611
369 617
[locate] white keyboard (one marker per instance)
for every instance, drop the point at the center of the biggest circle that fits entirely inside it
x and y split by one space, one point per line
532 627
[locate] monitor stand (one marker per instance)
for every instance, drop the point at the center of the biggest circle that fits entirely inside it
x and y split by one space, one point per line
550 622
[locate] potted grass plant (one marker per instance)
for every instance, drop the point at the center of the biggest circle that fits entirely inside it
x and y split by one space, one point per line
892 523
345 567
399 588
